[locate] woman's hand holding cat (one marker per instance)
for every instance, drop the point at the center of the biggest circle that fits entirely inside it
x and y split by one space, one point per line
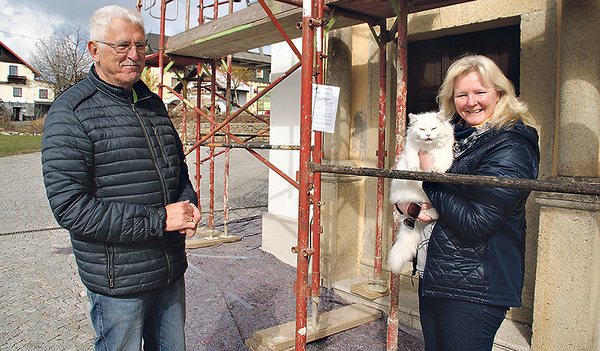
423 217
425 160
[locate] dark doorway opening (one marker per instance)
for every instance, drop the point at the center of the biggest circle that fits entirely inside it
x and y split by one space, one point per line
428 61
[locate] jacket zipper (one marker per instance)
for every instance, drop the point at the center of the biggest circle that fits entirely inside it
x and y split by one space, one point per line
160 145
109 254
162 180
147 137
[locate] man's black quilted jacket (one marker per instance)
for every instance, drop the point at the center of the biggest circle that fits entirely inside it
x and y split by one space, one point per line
110 167
476 248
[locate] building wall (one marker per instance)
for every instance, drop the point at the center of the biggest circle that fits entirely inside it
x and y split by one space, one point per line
280 224
26 101
41 85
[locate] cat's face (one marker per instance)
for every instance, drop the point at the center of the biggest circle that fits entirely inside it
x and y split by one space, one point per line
427 127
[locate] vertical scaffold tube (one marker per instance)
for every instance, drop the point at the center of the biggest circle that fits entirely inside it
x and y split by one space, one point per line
161 46
392 330
198 125
317 157
381 154
211 209
304 189
198 107
227 140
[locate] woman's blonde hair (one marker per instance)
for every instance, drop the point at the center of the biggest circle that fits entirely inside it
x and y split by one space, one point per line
509 108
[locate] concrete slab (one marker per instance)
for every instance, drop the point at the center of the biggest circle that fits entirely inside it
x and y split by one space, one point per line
282 337
206 237
369 290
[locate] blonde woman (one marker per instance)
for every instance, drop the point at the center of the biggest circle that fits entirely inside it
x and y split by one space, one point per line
474 267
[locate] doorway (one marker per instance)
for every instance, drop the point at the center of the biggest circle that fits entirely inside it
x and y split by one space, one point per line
428 61
17 114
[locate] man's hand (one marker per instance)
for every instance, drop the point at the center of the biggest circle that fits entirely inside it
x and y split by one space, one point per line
197 217
182 216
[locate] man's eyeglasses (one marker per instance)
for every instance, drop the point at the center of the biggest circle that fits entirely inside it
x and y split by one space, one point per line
124 47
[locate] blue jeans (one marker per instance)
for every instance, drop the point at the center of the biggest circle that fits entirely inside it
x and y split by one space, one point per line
458 325
157 317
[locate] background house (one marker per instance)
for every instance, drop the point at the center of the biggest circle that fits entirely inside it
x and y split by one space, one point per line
21 95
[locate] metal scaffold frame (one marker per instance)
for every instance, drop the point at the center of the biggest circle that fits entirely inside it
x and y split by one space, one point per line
310 167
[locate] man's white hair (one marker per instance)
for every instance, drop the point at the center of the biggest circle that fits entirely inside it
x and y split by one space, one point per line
102 17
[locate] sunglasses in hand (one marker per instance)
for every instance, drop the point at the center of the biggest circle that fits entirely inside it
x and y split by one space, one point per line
412 212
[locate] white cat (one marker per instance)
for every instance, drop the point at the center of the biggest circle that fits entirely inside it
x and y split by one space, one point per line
431 132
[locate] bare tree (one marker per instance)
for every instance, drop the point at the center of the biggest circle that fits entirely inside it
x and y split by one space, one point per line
239 76
61 58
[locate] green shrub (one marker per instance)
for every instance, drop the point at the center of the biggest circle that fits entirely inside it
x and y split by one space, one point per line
5 119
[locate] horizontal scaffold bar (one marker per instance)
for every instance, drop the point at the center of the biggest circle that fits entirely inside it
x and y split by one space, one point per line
557 186
237 135
253 146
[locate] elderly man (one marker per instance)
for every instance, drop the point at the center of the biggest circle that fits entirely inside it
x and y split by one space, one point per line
116 179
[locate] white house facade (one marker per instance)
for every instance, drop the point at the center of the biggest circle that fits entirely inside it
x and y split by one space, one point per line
21 95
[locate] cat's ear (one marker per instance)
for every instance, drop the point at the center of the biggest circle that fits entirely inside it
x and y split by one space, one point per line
441 115
411 118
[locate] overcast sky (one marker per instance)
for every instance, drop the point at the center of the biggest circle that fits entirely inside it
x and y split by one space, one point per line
23 22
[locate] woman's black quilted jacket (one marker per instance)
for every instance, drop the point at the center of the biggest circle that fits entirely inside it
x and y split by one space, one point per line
112 161
476 248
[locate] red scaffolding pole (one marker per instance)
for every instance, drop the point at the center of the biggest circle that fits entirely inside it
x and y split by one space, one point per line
303 251
227 130
161 46
381 154
211 188
317 156
401 87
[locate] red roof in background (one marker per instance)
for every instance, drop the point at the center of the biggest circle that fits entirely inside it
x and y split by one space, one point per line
20 59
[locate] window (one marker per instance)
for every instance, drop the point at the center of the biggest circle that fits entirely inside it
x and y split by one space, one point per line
43 93
17 92
174 82
259 73
13 70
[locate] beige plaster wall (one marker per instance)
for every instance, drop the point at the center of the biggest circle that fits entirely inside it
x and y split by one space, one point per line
579 98
476 15
538 90
567 296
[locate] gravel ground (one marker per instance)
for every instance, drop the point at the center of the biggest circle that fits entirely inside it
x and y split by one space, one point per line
232 289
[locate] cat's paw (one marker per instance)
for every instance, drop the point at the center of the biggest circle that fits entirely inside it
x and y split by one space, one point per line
404 249
437 170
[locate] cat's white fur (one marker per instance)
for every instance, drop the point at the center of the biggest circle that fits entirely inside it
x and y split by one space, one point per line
431 132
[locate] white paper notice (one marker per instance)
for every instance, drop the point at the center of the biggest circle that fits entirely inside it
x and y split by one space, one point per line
324 107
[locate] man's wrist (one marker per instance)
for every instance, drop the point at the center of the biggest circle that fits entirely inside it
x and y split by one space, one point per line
162 215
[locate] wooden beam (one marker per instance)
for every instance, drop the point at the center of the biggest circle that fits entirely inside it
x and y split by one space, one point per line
241 31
